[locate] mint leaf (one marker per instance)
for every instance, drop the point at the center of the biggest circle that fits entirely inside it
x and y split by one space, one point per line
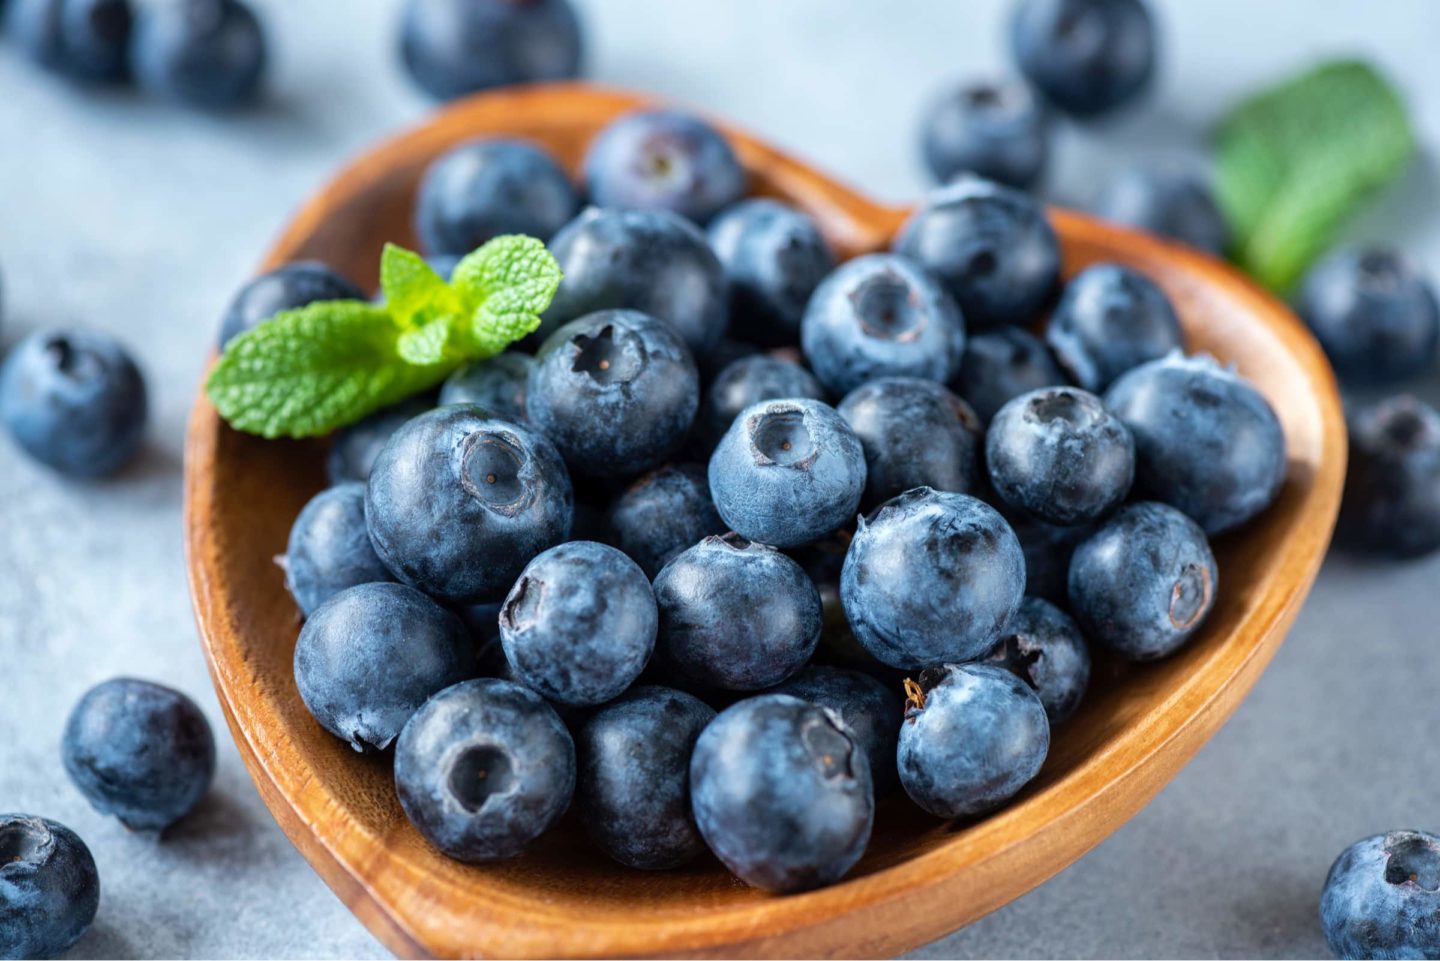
506 285
304 372
1294 162
430 344
414 292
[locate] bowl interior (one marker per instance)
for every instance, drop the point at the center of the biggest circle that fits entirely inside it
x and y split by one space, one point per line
1135 728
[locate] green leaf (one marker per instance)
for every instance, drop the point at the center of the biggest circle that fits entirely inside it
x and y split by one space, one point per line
506 284
414 292
1294 162
430 344
305 372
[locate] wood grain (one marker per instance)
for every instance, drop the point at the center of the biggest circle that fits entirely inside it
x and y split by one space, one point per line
921 877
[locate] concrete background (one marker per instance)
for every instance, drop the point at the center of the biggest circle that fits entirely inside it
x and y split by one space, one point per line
138 218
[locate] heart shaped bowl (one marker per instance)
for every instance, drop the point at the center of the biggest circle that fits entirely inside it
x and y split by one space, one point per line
921 877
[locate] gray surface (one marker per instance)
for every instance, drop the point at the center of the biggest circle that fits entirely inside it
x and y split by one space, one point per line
141 219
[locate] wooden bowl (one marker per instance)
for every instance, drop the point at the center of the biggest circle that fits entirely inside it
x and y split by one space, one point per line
921 877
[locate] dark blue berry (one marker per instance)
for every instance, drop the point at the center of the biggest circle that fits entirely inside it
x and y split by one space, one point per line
1088 57
1382 898
458 503
1002 364
284 288
747 381
782 793
355 449
1392 490
1111 319
74 401
49 888
139 751
455 47
1144 582
1170 200
997 129
1047 548
1044 648
484 768
663 160
203 53
330 549
867 707
662 514
497 384
83 39
774 257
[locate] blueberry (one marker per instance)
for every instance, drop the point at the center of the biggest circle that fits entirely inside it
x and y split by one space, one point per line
1048 548
1382 898
355 449
750 380
497 384
284 288
867 707
49 888
735 615
330 549
455 47
1144 582
371 655
774 257
931 577
1206 441
973 736
782 794
485 188
997 129
484 768
663 160
458 503
915 433
634 786
787 472
579 625
1392 491
1168 199
991 246
203 53
1003 364
84 39
1088 57
139 751
652 261
74 401
616 391
881 316
1111 319
662 514
1043 647
1059 455
725 352
1374 314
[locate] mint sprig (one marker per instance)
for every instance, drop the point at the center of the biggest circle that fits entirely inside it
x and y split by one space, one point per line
308 371
1295 161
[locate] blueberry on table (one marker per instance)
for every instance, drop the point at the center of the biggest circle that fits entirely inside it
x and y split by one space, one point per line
208 54
354 449
881 316
49 888
1043 646
455 47
1059 455
1168 199
329 548
991 246
633 790
750 380
371 655
484 768
1111 319
497 384
973 736
1002 364
1374 314
787 472
662 514
616 391
774 257
74 401
652 261
1206 441
485 188
915 433
1144 582
458 503
663 160
867 707
996 129
1392 490
735 615
782 794
1382 898
140 751
83 39
284 288
1088 57
931 577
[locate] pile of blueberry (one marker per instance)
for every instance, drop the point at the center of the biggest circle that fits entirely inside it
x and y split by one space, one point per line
539 587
